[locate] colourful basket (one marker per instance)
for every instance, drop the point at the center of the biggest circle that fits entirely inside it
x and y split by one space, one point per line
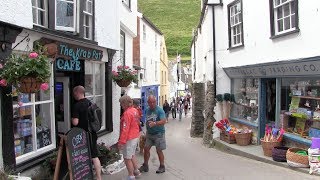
296 160
268 146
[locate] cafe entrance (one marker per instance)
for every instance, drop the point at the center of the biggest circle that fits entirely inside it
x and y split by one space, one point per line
62 104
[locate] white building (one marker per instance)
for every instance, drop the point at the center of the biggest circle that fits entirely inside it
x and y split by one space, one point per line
150 39
95 27
263 56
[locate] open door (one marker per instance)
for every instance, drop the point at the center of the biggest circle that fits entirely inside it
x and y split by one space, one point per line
62 104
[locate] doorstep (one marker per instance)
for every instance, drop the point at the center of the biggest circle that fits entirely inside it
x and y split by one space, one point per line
254 152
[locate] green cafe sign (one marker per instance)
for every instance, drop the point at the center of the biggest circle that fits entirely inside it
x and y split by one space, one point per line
69 56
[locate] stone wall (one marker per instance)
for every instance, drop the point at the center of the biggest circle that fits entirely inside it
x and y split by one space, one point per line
198 102
209 113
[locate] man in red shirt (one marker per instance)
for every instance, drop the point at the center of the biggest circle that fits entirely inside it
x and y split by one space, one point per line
129 135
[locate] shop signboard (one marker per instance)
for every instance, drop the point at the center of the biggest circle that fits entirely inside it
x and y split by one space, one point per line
68 56
74 152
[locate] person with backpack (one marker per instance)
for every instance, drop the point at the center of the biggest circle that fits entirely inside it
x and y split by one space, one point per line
80 118
129 135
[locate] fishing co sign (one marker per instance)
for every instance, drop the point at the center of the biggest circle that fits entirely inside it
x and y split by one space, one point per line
69 56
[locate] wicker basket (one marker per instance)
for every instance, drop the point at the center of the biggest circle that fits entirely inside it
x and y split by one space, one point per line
279 154
268 146
296 160
29 85
123 83
243 139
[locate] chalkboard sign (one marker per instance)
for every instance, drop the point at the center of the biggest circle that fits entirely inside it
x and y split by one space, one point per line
78 153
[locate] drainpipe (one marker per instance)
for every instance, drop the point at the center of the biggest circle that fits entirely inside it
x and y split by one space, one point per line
214 46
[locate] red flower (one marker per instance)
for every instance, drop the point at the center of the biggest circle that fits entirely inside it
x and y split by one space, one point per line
33 55
44 86
3 82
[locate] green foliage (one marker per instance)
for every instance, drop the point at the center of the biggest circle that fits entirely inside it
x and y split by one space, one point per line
35 65
108 155
227 96
124 73
219 97
175 19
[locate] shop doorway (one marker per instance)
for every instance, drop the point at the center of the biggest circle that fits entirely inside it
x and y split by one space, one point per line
62 104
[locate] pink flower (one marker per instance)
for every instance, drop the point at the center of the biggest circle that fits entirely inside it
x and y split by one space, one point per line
3 82
33 55
20 103
119 67
1 66
126 67
44 86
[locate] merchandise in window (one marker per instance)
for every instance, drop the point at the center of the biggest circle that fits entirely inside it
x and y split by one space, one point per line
300 105
245 106
33 124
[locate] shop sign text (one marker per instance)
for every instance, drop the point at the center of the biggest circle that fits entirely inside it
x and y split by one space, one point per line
80 52
68 65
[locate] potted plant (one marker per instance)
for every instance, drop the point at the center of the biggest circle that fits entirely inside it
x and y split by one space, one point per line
28 72
124 76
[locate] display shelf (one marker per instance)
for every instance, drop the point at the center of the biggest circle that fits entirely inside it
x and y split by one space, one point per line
245 122
307 97
297 138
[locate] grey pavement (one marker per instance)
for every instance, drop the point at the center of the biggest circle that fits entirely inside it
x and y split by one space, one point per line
186 158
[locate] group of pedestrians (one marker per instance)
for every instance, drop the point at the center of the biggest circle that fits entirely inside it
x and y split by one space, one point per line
130 133
179 105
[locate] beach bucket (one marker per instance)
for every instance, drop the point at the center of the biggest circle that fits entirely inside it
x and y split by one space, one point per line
315 143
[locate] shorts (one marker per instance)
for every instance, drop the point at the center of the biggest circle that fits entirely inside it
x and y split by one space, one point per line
129 149
158 140
93 145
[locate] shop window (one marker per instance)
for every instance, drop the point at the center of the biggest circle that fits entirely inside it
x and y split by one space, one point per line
39 11
95 85
284 16
34 125
235 24
300 105
245 93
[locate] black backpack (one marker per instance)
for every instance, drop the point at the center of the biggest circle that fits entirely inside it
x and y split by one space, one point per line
94 117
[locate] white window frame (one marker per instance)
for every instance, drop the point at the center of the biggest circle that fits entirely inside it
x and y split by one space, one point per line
155 41
279 5
36 8
235 19
127 3
155 71
122 49
75 14
145 69
94 96
36 152
144 32
90 15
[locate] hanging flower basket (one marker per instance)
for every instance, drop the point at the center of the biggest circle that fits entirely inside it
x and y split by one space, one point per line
123 82
29 85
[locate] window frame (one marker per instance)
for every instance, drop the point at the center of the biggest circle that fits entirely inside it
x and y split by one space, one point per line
41 151
122 50
94 96
37 9
144 68
144 32
274 21
155 41
85 13
155 70
75 14
240 24
127 3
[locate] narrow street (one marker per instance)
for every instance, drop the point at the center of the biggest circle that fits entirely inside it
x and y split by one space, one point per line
186 158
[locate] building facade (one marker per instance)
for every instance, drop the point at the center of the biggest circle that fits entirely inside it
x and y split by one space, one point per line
150 40
273 71
87 33
164 69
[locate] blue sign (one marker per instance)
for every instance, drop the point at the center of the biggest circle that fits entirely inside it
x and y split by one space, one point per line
68 65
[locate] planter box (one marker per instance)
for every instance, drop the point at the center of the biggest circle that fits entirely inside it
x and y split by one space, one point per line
114 167
226 137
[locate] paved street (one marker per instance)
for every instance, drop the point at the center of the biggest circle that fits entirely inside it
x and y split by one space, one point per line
187 159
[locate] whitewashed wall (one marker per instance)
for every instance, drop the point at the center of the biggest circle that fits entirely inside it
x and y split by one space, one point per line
128 18
17 12
151 53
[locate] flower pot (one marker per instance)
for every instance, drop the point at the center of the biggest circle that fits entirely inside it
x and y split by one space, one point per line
29 85
123 83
